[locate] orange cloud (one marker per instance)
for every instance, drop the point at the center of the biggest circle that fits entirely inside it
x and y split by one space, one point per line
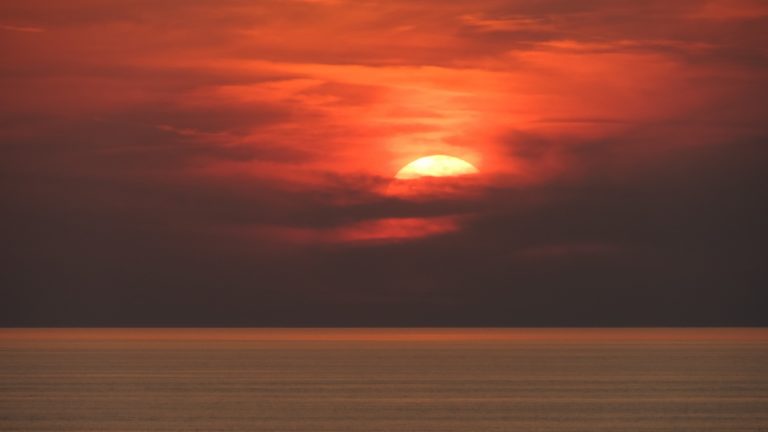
290 93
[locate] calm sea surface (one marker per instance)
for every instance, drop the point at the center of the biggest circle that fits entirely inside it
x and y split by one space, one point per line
384 380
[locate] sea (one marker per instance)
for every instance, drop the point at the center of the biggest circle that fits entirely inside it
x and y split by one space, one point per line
392 379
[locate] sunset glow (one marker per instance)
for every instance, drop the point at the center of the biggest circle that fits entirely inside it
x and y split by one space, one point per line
384 158
384 215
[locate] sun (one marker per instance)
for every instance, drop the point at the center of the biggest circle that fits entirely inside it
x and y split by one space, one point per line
436 166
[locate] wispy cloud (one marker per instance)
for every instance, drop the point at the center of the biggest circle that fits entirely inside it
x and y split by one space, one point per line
506 24
23 29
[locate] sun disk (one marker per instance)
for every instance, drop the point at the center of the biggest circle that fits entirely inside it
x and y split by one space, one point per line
436 166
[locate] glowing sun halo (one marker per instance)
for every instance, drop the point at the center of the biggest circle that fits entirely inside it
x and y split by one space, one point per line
436 166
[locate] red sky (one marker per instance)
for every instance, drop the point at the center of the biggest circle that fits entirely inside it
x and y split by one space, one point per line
163 156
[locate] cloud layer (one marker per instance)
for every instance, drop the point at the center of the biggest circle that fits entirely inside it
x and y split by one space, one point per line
226 162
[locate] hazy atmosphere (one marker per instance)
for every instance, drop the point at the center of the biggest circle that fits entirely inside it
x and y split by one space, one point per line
233 163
